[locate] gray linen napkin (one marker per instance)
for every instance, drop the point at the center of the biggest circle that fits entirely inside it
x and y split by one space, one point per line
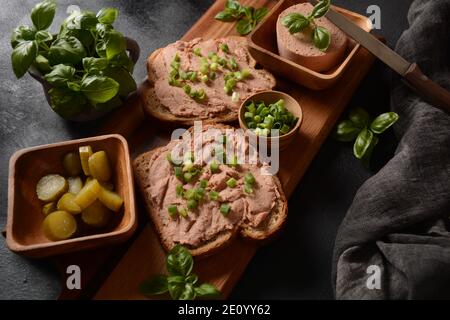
399 220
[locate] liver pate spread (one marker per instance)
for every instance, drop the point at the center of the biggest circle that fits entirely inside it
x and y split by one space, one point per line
206 222
217 102
300 48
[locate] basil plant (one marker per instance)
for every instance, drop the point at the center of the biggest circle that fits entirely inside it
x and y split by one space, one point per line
86 63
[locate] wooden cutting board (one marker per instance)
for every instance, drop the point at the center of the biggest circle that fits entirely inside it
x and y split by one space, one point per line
144 256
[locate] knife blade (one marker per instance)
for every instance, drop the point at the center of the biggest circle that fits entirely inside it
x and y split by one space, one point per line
410 72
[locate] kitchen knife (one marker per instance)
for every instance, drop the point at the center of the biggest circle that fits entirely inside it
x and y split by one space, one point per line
410 72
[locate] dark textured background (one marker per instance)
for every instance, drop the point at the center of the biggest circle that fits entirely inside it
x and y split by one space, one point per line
298 264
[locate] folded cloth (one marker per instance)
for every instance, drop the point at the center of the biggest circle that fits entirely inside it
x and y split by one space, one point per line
394 242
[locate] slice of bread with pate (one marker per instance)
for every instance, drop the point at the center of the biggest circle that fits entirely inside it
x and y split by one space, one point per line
205 209
202 80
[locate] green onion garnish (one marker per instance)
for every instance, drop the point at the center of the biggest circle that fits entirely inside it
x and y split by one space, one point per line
224 48
180 190
249 178
231 182
192 204
173 210
214 166
225 209
203 183
214 195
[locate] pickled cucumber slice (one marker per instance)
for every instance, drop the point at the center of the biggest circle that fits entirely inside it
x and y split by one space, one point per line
51 187
72 164
88 194
99 166
96 215
59 225
75 184
85 153
105 184
49 208
110 199
67 203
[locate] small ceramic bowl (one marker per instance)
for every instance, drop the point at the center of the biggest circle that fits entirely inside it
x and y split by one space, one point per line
24 233
270 97
262 43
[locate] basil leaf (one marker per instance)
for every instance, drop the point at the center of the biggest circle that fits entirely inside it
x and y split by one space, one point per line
67 50
225 16
123 78
115 43
383 122
360 117
321 38
94 65
260 13
192 278
233 5
179 261
188 292
99 89
362 143
176 286
60 75
43 13
85 20
122 60
22 33
295 22
23 56
74 86
100 48
43 36
114 103
244 26
102 29
207 289
42 64
67 103
369 152
107 15
346 131
320 9
157 285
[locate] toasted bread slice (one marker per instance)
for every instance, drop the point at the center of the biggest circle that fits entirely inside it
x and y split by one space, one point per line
265 230
223 109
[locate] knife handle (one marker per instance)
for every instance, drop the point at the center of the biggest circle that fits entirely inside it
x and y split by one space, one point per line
430 91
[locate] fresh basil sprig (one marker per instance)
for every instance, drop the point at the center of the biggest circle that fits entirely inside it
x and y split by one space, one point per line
360 129
296 22
85 63
181 283
247 17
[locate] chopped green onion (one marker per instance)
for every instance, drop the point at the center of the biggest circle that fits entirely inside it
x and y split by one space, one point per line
249 115
238 76
246 73
214 66
176 58
187 89
257 119
174 82
222 62
192 204
178 172
251 125
231 182
224 47
189 194
212 75
211 55
203 183
204 78
227 90
215 59
232 64
180 190
248 188
198 52
225 209
199 193
285 129
214 166
187 176
235 96
183 212
249 178
251 108
173 210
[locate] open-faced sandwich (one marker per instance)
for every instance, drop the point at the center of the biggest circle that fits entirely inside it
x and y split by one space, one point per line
305 36
204 197
202 80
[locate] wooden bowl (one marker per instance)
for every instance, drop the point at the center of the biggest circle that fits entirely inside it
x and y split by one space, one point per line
263 47
269 97
24 233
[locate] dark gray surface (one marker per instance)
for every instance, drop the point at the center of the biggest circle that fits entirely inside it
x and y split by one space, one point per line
298 264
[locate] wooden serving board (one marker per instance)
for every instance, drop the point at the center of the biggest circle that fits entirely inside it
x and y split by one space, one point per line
144 256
